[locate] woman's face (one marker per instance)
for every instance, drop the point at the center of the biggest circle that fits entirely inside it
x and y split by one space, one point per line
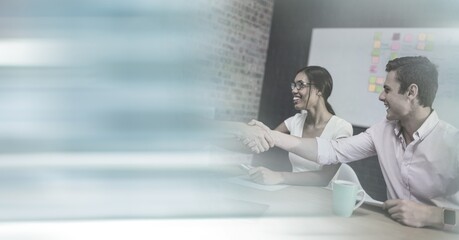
301 91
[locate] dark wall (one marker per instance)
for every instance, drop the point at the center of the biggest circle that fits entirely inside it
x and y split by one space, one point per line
291 29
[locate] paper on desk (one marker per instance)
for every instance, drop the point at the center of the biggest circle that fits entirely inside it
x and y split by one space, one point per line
245 181
370 201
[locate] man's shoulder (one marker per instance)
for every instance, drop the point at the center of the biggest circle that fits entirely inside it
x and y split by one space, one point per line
447 127
448 133
384 123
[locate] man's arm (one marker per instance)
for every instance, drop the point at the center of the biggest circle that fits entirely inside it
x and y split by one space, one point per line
231 131
414 214
304 147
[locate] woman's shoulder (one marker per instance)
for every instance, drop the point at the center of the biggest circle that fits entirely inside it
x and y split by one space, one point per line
298 117
337 128
340 122
295 121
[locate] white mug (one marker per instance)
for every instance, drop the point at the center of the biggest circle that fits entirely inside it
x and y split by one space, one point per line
344 197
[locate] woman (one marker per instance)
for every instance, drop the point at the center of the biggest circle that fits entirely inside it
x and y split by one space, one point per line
310 89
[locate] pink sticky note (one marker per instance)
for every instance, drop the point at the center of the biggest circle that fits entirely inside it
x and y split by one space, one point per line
374 68
395 46
375 60
408 38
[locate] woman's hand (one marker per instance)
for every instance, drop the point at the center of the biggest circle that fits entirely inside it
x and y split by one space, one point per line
265 176
257 137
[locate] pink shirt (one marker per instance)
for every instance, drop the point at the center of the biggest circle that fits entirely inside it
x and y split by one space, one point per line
426 170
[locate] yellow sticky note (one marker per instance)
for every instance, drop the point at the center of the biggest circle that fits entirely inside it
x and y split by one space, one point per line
371 88
422 37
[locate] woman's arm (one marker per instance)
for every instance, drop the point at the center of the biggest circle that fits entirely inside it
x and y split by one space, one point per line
227 134
319 178
282 128
304 147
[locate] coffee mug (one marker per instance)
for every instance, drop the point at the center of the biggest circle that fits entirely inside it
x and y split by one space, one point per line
344 197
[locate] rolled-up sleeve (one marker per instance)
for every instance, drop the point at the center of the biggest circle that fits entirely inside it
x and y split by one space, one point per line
325 152
345 150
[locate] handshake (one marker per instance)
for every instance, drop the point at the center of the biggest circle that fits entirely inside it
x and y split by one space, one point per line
256 136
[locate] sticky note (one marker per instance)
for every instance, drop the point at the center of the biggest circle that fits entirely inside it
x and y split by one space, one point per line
377 44
376 52
421 46
408 38
374 68
377 36
396 36
380 81
372 80
422 37
375 60
393 55
371 88
379 89
395 46
429 46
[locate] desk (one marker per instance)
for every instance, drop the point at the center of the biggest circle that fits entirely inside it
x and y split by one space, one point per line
306 211
151 202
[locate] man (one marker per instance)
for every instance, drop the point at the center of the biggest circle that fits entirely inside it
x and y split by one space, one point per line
417 152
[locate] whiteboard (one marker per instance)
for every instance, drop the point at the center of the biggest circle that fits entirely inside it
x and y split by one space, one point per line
356 59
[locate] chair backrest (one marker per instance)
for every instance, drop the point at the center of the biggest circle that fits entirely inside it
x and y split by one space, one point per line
345 172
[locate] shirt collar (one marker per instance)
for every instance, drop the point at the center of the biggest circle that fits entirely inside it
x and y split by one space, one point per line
426 127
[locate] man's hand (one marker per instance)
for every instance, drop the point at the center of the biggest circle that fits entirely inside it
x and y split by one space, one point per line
257 138
265 176
254 122
413 214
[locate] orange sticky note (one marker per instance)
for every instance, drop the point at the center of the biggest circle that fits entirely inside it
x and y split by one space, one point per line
371 88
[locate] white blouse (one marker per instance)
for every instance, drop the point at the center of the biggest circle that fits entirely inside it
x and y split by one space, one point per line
335 128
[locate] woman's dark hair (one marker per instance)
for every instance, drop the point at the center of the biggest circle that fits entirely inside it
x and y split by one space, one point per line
322 80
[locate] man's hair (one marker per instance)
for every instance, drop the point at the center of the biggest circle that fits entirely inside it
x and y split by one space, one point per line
416 70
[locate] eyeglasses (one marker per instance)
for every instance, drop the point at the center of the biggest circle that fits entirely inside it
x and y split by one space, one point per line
300 85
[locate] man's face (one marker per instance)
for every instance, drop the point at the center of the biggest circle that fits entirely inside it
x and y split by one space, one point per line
397 104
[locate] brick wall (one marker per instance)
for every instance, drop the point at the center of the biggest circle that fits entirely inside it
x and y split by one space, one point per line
238 47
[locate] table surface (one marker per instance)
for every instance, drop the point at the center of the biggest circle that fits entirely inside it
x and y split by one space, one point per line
44 202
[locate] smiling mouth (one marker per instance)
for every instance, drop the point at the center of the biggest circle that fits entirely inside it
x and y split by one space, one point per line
296 99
